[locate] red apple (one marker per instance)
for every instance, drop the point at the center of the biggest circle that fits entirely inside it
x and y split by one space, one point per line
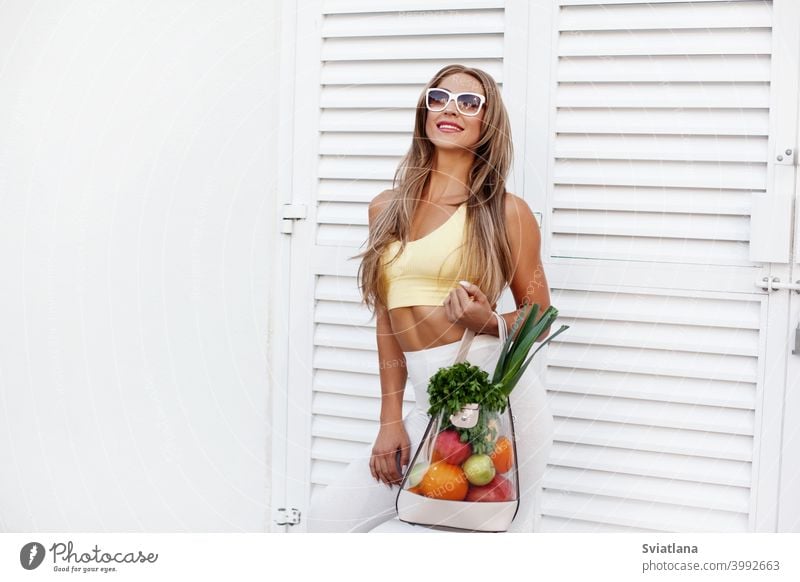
449 448
498 489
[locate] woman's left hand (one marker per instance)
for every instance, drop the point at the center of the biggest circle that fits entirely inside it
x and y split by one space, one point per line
467 305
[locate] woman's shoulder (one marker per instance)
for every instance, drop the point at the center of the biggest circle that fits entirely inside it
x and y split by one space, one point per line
518 214
514 206
384 197
379 202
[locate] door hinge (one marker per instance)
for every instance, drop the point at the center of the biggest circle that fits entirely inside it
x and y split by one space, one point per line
290 213
290 516
796 350
774 284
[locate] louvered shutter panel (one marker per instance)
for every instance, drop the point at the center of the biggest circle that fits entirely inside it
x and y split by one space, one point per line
376 58
655 156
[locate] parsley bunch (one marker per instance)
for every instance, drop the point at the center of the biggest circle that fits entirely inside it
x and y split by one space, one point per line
450 388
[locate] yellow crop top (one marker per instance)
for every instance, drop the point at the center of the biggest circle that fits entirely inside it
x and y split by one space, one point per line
428 268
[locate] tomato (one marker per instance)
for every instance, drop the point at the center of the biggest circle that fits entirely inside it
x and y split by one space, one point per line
503 455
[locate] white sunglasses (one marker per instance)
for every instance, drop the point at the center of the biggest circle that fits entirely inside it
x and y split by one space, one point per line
467 103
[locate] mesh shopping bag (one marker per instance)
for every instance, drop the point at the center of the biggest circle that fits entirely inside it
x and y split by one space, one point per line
464 472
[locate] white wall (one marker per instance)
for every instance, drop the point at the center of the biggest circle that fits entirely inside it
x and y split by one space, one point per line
136 220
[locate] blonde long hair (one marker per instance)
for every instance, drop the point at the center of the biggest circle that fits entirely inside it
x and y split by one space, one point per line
487 252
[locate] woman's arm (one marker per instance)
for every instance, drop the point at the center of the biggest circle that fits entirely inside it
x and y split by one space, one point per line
528 282
393 371
392 436
391 361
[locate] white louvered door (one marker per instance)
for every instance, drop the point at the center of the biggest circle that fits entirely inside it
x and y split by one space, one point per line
360 68
653 144
661 206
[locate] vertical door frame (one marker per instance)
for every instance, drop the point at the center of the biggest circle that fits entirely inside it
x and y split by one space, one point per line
277 350
540 115
788 519
789 500
530 56
291 368
515 78
772 456
304 164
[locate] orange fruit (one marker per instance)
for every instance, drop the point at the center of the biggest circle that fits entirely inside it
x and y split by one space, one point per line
444 481
503 455
416 490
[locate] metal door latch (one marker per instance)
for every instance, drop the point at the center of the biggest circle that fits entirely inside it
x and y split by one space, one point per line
774 284
290 516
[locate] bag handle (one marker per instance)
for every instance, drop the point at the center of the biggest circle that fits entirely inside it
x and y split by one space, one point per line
466 340
469 335
502 326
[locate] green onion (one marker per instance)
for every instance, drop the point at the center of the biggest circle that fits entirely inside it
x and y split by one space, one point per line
512 363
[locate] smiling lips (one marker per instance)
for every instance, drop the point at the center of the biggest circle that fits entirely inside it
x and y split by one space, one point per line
448 127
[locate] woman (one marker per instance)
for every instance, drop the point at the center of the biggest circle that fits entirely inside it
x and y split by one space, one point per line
442 247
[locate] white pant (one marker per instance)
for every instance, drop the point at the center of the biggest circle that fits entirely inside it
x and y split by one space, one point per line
356 502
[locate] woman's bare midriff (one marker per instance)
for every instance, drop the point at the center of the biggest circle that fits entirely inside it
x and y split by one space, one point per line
419 327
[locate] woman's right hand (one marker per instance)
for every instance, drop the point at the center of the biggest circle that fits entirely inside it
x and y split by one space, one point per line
383 463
